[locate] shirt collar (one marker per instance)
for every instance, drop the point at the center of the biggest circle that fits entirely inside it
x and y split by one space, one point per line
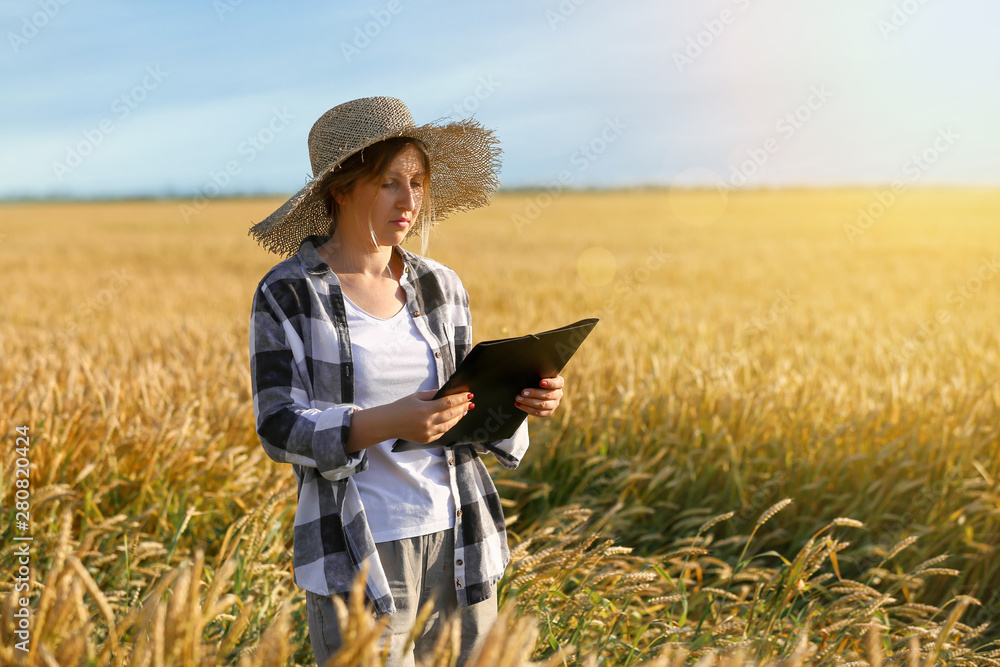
314 264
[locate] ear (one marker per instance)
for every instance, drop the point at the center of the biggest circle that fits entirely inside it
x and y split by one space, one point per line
337 195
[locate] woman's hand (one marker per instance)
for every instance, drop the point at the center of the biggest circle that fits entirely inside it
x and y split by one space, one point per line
416 418
544 401
420 419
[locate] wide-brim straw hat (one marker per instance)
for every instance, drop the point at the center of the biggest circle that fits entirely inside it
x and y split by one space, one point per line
464 159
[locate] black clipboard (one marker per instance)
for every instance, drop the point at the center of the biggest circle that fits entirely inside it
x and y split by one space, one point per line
496 371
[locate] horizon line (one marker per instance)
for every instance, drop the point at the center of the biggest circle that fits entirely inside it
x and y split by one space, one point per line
23 199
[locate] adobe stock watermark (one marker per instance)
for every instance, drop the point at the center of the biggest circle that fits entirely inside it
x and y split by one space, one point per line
915 167
562 12
100 301
760 499
759 324
32 24
892 532
248 149
486 86
585 155
370 30
962 294
713 29
398 343
901 14
755 327
786 127
990 609
122 107
655 259
702 211
224 7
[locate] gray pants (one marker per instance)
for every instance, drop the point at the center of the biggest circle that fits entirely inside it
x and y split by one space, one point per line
419 569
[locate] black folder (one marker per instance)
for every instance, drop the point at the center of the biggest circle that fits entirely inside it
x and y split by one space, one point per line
496 371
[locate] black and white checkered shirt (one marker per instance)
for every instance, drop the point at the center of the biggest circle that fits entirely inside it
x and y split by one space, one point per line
303 393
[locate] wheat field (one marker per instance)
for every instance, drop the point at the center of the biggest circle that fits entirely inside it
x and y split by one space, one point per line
780 445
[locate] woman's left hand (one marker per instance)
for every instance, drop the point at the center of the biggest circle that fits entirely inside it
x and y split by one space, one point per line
542 401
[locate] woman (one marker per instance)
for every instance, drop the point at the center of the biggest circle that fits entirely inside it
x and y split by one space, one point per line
349 339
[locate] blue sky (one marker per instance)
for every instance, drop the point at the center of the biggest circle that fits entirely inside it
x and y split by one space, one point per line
112 98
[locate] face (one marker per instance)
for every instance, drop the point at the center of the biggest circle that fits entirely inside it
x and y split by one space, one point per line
393 203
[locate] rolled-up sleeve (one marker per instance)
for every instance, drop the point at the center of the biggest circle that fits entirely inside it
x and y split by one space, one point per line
508 451
291 430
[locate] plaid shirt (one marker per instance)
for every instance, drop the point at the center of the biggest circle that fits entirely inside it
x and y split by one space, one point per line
303 392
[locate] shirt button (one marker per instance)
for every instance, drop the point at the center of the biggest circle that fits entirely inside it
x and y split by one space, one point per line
458 583
458 562
451 462
416 313
459 513
437 354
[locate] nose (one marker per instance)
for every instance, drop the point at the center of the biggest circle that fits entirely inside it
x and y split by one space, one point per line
408 198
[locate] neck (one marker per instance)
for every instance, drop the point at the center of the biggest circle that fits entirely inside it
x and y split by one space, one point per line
356 259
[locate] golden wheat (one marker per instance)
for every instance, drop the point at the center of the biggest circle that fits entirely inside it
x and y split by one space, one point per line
764 357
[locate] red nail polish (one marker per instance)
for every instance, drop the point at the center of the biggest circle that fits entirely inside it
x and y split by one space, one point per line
544 383
470 397
472 405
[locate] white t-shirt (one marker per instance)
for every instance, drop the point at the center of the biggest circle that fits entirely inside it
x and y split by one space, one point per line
404 494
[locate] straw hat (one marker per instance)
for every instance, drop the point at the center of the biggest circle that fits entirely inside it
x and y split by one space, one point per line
464 157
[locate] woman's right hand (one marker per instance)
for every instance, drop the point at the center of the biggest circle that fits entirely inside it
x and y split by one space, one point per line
420 419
